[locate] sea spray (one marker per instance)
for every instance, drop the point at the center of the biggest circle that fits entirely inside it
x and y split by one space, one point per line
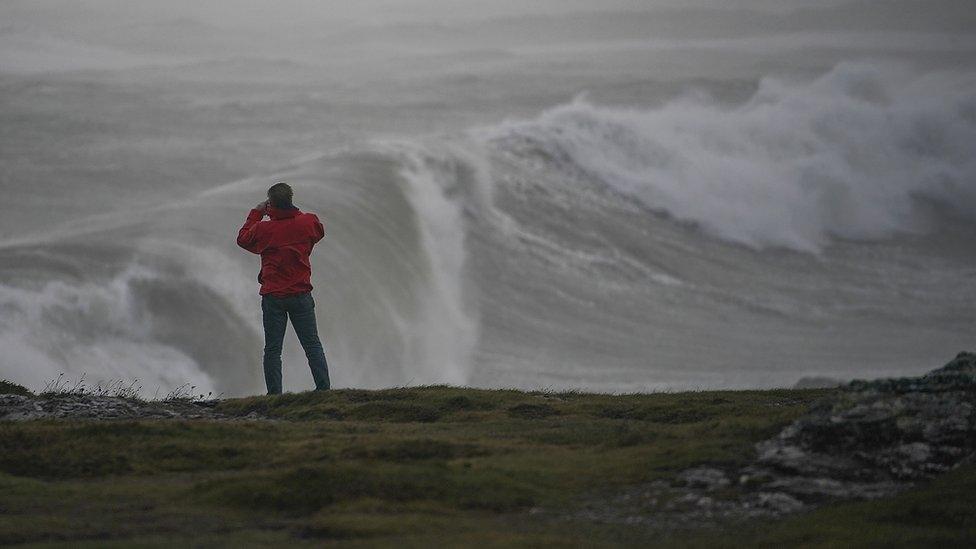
446 328
847 155
99 330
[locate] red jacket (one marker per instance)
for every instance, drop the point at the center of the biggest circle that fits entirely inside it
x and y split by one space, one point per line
284 242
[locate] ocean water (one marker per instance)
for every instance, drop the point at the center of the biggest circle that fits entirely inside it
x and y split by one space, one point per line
593 198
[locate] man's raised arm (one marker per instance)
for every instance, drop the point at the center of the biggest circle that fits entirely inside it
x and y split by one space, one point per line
248 237
318 230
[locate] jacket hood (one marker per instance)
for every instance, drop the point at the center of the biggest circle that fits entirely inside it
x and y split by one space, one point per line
282 213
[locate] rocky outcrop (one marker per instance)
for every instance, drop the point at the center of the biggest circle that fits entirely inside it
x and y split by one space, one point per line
84 406
873 438
868 440
818 382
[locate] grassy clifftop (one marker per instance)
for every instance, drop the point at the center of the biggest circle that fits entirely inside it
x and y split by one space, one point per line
419 466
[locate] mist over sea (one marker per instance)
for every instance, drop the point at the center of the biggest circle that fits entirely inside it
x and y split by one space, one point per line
599 195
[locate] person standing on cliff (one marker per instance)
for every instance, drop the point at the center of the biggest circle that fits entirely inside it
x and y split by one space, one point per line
284 242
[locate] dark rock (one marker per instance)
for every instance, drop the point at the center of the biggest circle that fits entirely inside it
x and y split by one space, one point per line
818 382
778 502
706 478
873 438
870 439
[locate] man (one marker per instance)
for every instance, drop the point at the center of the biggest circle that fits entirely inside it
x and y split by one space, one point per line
285 242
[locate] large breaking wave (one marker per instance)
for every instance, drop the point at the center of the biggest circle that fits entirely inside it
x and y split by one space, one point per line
848 155
528 253
164 296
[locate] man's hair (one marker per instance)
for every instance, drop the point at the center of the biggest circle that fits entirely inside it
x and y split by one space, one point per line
280 195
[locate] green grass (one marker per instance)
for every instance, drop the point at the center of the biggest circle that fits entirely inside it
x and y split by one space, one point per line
415 467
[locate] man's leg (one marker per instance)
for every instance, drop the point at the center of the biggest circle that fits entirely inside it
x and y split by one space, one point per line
303 320
275 320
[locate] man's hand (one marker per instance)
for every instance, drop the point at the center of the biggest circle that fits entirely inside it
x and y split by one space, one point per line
263 206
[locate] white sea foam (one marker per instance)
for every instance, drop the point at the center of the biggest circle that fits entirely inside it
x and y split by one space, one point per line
94 331
846 155
445 331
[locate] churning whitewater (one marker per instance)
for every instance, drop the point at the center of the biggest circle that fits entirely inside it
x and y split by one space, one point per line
821 222
846 155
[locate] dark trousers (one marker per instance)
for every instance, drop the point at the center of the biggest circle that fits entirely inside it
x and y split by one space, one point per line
301 309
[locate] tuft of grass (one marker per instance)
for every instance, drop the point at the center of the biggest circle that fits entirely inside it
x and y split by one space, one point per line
420 404
11 388
186 393
414 449
395 411
305 489
532 411
119 388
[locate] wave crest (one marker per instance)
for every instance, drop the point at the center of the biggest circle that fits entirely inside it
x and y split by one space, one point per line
846 155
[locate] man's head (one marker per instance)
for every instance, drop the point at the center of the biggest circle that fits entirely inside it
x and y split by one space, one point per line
280 195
